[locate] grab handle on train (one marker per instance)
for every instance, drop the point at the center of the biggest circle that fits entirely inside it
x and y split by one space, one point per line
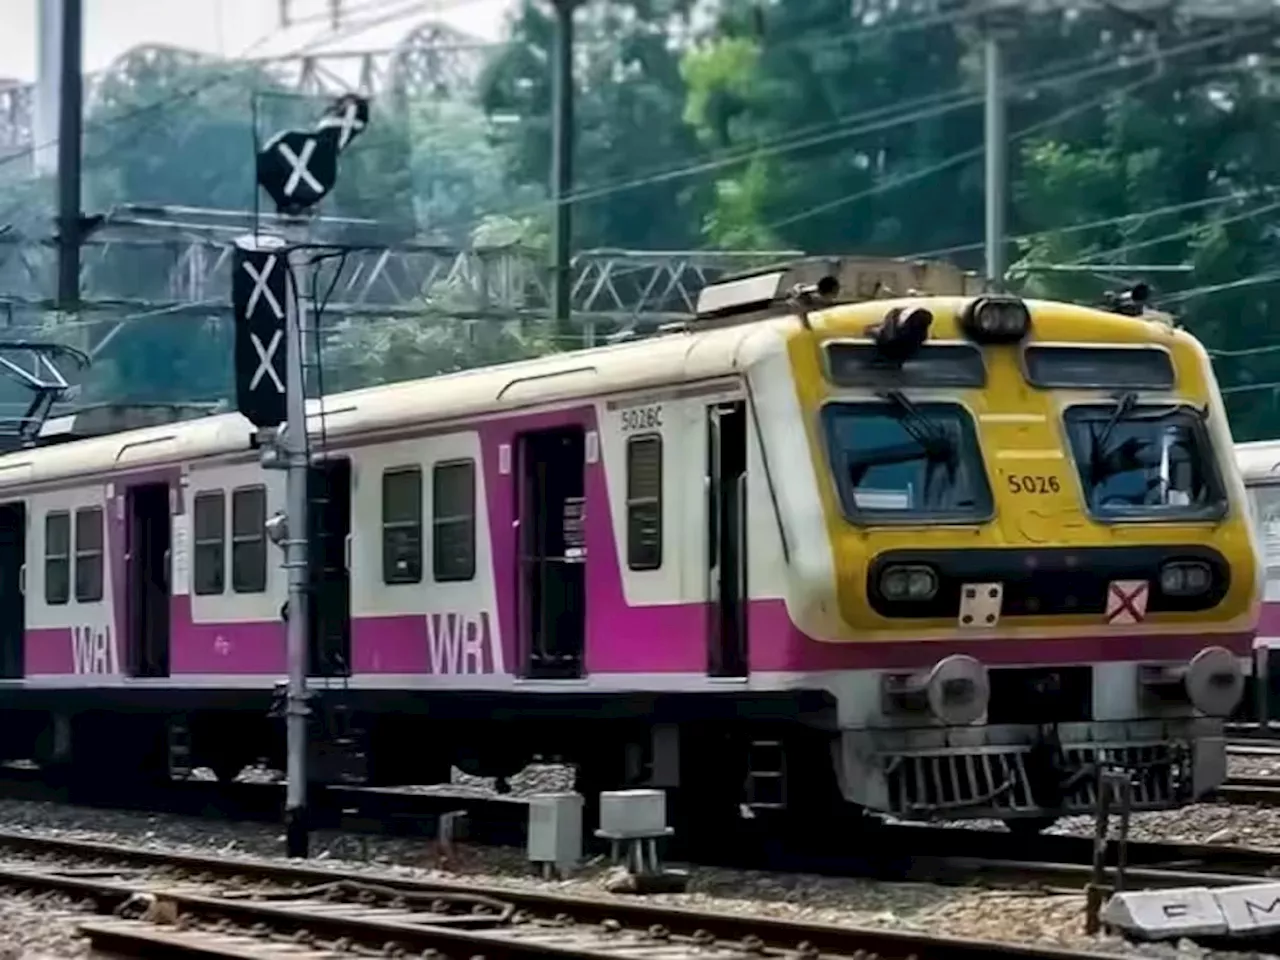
346 552
22 579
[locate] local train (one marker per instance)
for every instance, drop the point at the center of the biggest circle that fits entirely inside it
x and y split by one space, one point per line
854 536
1259 464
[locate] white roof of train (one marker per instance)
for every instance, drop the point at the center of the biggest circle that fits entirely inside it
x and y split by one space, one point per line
654 362
1259 461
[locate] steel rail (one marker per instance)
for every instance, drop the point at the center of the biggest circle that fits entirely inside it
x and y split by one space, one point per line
549 927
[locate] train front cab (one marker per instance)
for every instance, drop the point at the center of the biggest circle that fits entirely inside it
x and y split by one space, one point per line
1043 498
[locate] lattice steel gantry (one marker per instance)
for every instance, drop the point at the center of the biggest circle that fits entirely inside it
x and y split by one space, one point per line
145 259
431 59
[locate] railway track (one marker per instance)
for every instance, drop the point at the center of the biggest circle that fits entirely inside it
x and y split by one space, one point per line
164 904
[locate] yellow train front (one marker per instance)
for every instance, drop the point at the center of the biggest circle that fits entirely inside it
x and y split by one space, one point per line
1025 530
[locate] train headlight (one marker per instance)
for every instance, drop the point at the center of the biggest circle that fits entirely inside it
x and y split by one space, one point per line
958 690
1214 681
1185 578
899 583
996 319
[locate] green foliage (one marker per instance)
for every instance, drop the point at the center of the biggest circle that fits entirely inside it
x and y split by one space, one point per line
628 116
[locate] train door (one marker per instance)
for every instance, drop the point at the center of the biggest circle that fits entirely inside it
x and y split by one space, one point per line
727 539
13 558
329 522
552 516
147 544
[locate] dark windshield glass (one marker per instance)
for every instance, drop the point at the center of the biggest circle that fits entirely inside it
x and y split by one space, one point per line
894 461
1150 462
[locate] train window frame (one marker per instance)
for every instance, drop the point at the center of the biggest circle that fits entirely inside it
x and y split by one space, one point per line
1221 510
57 560
637 559
873 518
1270 561
439 573
89 559
898 377
257 540
204 548
390 526
1047 347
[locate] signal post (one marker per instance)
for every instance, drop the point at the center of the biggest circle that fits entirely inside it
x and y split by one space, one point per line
297 168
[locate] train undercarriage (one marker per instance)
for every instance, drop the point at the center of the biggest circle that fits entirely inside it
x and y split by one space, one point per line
725 761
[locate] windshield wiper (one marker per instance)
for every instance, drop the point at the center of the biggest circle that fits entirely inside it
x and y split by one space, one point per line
931 435
927 435
1124 407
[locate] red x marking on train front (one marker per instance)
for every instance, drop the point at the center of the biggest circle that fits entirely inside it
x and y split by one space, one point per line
1127 601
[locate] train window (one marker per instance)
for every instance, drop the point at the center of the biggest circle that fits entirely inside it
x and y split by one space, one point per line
88 554
57 558
644 502
210 542
249 540
1130 368
453 522
1145 462
899 462
402 525
858 364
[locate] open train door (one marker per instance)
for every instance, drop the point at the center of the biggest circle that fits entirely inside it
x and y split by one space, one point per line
553 556
727 539
329 562
148 533
13 559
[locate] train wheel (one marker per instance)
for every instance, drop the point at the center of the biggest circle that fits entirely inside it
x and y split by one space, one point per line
1029 826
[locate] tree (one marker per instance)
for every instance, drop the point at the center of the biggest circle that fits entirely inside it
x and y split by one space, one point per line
629 100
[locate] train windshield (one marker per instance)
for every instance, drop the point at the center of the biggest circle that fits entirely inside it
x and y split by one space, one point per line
897 460
1144 462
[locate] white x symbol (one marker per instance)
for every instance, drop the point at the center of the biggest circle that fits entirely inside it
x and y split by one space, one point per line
299 164
260 288
348 124
265 369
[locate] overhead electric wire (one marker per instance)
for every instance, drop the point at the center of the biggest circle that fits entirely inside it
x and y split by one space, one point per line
794 141
1184 232
958 159
839 127
1104 222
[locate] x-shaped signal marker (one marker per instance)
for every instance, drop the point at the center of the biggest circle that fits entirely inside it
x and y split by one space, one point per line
301 167
265 355
348 123
260 288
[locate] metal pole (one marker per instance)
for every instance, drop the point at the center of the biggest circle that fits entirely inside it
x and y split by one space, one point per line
69 128
996 166
562 164
296 448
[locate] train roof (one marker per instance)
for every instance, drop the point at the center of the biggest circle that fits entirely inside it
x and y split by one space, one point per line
564 377
691 354
1259 460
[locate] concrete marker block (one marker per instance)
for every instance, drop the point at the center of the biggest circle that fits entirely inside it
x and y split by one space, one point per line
1166 914
1250 909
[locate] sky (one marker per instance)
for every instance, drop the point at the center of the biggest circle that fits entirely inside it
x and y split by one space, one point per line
235 27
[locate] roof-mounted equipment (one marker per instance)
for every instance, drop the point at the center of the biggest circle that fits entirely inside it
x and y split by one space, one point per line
820 282
996 318
1129 303
104 419
35 366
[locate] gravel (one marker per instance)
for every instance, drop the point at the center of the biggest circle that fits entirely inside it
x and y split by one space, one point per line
40 927
45 928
